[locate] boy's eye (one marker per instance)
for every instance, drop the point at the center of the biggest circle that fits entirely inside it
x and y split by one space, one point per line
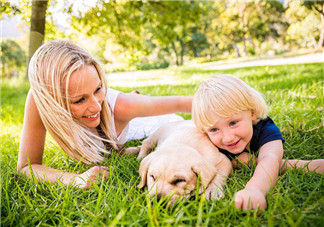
213 130
233 123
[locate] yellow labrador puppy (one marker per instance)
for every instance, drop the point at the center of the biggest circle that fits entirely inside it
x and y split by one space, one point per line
182 154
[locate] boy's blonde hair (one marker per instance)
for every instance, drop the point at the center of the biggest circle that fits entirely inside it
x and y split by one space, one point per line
224 96
49 73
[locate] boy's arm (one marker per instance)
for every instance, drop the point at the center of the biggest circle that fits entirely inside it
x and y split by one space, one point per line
265 176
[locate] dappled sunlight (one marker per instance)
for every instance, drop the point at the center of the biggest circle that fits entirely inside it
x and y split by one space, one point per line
151 78
12 129
310 58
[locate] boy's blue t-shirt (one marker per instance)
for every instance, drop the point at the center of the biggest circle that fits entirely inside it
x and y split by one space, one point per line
263 132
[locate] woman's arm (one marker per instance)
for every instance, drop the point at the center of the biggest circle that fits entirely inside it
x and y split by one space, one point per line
31 151
129 106
265 176
33 136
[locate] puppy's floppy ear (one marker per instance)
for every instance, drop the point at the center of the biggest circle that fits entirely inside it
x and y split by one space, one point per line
143 170
207 173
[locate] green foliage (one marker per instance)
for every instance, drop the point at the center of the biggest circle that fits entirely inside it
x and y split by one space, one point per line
8 9
124 32
13 57
147 65
251 22
21 8
317 6
305 25
162 25
182 28
295 96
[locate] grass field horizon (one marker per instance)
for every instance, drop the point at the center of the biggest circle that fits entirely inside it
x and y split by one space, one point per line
295 97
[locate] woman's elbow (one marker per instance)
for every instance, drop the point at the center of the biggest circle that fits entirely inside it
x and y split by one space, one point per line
21 167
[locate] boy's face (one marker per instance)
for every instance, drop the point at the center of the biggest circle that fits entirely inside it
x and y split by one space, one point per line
233 133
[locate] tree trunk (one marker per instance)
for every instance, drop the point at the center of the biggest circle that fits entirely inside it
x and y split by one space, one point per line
237 51
244 22
321 39
176 52
183 47
255 50
37 26
244 46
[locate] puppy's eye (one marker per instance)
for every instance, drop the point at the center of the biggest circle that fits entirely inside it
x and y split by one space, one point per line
152 177
178 181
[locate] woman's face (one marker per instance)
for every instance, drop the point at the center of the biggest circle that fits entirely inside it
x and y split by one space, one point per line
86 95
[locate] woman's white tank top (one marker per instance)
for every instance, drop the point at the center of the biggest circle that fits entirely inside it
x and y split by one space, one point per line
140 127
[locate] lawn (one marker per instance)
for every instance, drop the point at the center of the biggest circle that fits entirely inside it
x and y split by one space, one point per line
296 100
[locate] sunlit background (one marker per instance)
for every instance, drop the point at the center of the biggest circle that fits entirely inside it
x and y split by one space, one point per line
141 35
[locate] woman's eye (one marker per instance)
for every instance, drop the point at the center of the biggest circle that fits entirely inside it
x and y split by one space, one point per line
78 101
232 123
98 89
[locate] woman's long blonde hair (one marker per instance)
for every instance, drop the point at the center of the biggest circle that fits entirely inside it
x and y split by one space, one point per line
224 96
49 71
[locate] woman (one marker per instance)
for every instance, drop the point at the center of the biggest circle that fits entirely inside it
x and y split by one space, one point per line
70 99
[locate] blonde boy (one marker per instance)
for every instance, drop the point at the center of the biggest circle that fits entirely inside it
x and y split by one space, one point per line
234 116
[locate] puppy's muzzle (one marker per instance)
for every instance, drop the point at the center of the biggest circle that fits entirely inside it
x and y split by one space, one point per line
158 196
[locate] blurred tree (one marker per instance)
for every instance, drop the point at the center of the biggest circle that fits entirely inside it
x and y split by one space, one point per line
305 25
253 21
8 9
266 22
173 25
211 27
198 42
139 27
37 26
318 6
137 31
32 13
113 22
12 58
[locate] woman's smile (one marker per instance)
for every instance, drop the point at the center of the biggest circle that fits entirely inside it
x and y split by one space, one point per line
93 117
86 96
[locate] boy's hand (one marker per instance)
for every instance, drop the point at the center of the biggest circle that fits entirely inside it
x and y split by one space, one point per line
249 199
93 175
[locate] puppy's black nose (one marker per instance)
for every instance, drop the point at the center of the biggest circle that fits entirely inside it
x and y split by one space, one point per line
158 197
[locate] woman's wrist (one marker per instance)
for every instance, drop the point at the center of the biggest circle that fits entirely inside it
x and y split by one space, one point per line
185 103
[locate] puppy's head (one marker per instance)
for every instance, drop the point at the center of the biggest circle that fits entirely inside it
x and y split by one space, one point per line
173 172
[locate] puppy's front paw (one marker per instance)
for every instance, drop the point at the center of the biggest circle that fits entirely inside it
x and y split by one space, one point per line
144 151
214 192
132 150
141 155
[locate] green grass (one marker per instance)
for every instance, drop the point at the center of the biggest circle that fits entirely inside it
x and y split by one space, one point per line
296 100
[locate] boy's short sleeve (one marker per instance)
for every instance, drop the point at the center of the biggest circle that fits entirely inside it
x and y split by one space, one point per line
264 132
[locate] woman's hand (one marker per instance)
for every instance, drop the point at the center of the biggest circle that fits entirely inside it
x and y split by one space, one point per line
249 199
90 177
